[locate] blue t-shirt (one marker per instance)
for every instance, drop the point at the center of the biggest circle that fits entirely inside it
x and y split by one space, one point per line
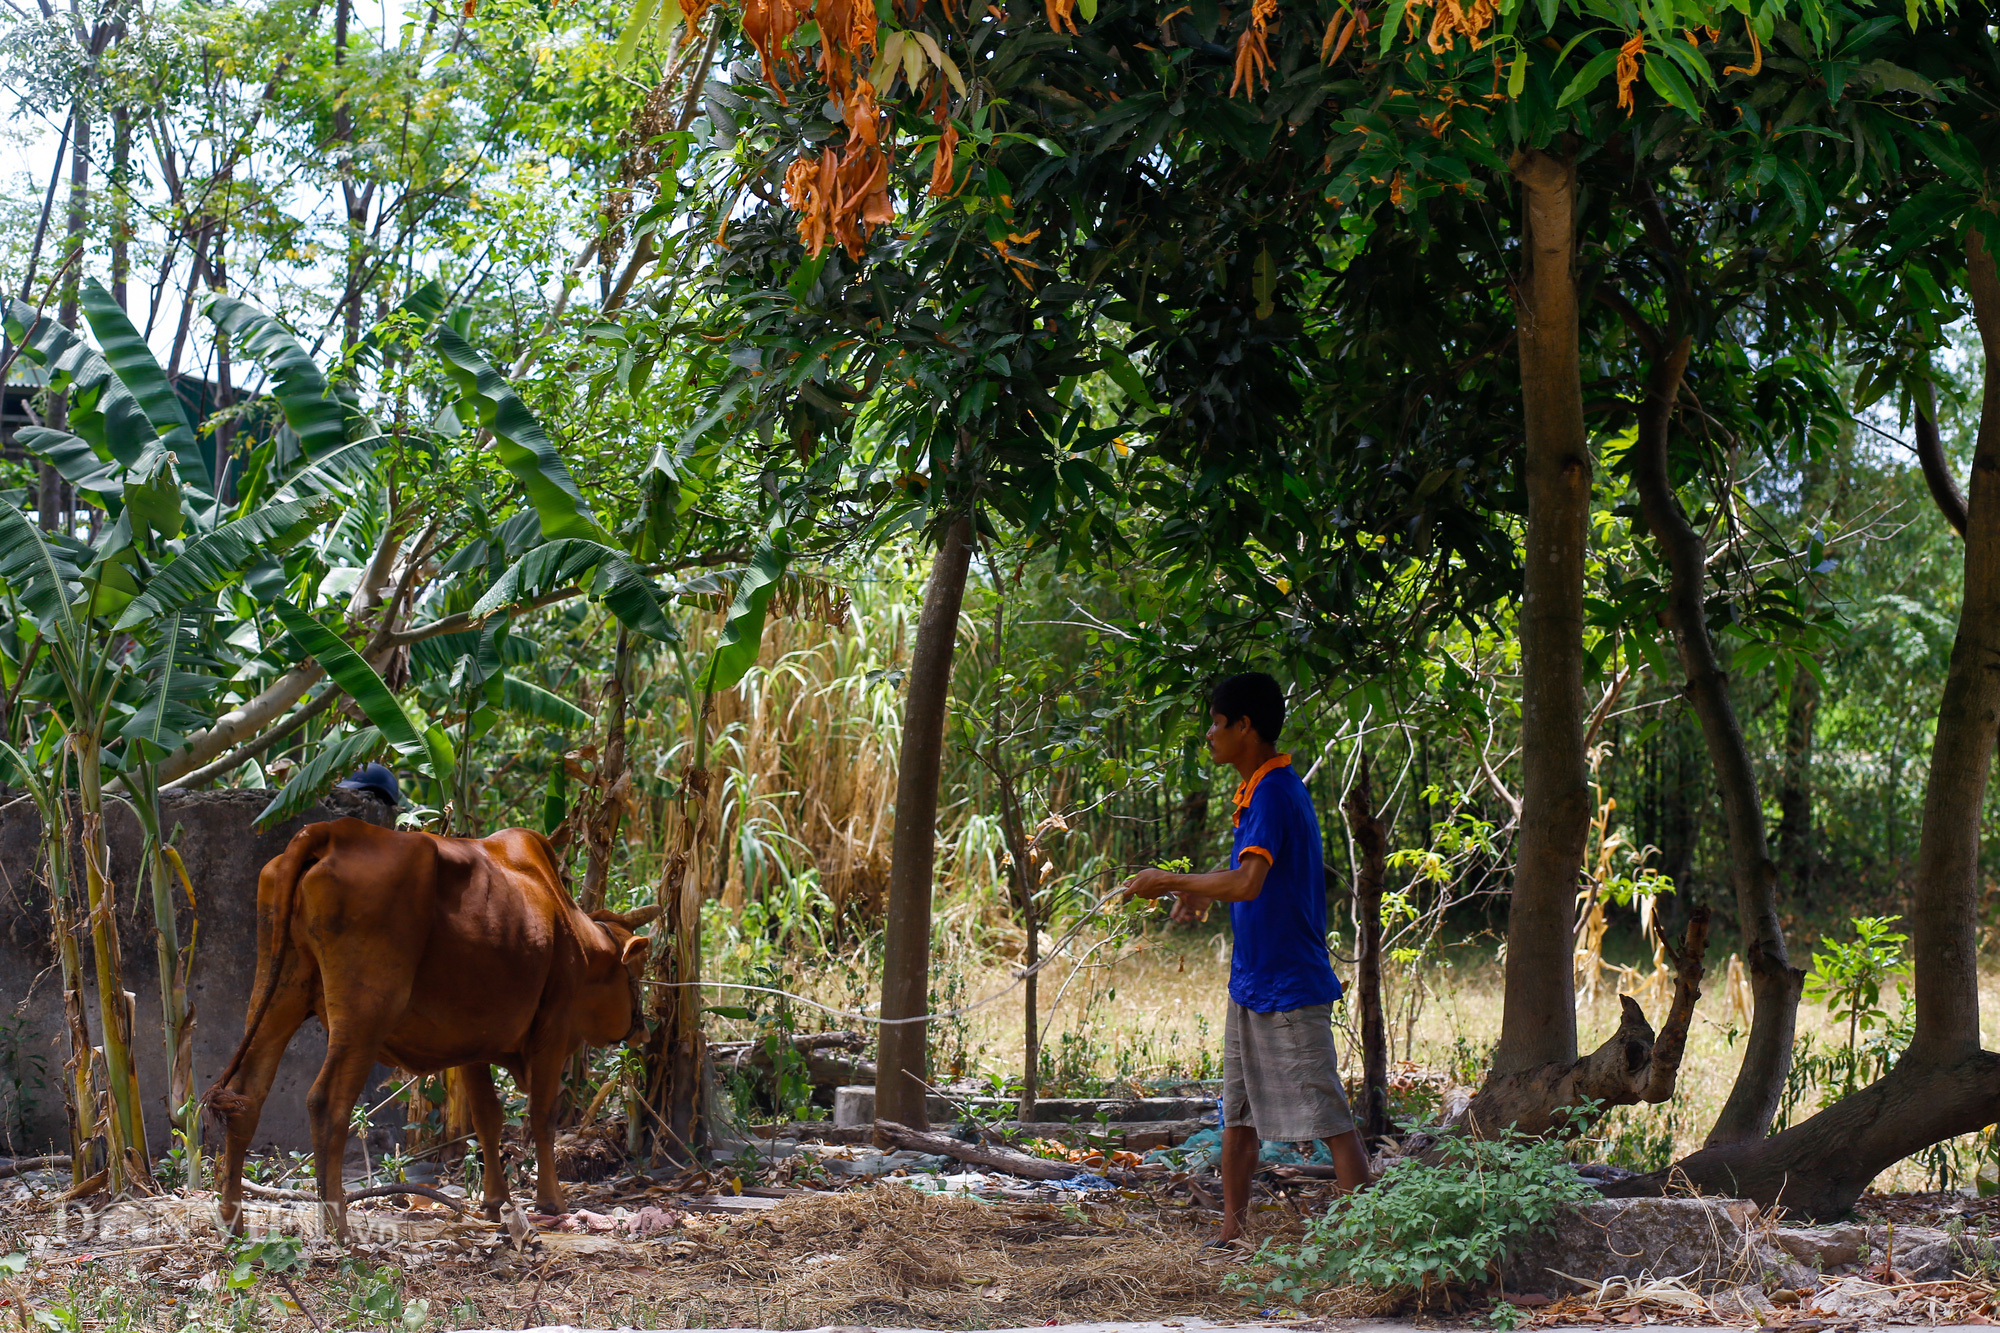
1280 961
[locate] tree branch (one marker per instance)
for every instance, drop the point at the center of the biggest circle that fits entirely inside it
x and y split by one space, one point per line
1937 471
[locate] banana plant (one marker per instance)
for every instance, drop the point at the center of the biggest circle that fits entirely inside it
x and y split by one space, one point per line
120 620
47 575
80 1087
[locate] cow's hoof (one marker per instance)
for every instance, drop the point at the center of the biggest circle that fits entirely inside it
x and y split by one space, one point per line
492 1209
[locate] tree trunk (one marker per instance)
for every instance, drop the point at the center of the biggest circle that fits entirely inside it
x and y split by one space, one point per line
174 966
1371 844
1774 982
352 195
902 1067
121 205
52 494
1538 1024
673 1051
1937 471
1943 917
1797 852
1021 877
79 1088
128 1156
1194 827
225 390
607 800
1633 1065
1945 1084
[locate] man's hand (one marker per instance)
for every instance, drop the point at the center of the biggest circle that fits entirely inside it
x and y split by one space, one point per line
1190 908
1149 883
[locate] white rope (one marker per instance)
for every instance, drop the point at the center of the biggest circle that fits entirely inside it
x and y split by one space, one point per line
1020 976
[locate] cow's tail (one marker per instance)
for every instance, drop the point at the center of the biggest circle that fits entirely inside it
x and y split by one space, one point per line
274 939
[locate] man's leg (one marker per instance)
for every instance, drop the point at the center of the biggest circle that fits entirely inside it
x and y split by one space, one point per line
1350 1159
1239 1162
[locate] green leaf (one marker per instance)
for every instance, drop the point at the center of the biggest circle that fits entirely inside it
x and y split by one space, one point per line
316 415
743 631
104 412
635 28
359 681
597 569
1589 77
555 803
43 578
1393 24
531 700
414 313
132 361
210 563
1127 377
336 759
1664 79
77 463
523 446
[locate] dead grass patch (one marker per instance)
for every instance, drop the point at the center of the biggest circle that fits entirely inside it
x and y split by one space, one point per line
895 1254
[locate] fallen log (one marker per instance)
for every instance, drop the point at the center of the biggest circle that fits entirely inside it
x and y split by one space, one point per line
22 1165
256 1191
994 1158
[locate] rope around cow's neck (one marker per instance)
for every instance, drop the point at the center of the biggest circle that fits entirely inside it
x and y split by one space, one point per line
1020 976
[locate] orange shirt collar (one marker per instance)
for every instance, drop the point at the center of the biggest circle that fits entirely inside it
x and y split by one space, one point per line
1248 787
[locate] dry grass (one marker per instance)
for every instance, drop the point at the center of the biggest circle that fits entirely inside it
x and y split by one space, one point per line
1171 989
885 1255
894 1255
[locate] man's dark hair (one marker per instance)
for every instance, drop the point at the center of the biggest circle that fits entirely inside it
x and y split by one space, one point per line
1253 695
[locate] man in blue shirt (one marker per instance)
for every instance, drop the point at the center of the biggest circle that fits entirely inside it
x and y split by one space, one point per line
1280 1071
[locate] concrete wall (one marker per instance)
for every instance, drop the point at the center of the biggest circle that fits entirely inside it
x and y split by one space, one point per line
224 855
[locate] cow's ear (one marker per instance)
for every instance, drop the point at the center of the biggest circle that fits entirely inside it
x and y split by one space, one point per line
634 948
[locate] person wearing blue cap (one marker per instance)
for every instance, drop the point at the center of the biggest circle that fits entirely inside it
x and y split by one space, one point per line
376 778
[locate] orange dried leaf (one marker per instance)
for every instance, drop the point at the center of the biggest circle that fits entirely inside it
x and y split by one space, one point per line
1756 55
1628 70
947 156
1253 51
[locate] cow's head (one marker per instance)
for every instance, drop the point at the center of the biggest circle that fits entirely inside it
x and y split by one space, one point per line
632 958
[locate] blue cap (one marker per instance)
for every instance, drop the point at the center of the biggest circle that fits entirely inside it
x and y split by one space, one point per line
376 778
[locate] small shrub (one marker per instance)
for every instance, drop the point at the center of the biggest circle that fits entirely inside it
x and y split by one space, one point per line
1422 1229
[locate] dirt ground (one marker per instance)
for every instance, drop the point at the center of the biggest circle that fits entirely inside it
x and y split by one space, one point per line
696 1252
639 1254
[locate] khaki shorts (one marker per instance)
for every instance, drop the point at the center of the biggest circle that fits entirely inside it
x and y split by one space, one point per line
1281 1074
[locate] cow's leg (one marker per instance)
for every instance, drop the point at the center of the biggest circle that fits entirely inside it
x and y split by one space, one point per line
330 1105
545 1070
240 1104
484 1104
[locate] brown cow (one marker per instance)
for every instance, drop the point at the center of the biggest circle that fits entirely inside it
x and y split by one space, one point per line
428 953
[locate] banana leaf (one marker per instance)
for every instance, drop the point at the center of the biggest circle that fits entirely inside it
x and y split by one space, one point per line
532 701
209 563
132 361
316 414
414 313
351 672
743 631
105 414
45 578
336 759
603 572
523 446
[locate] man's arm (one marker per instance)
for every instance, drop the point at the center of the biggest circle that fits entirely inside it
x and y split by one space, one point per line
1217 886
